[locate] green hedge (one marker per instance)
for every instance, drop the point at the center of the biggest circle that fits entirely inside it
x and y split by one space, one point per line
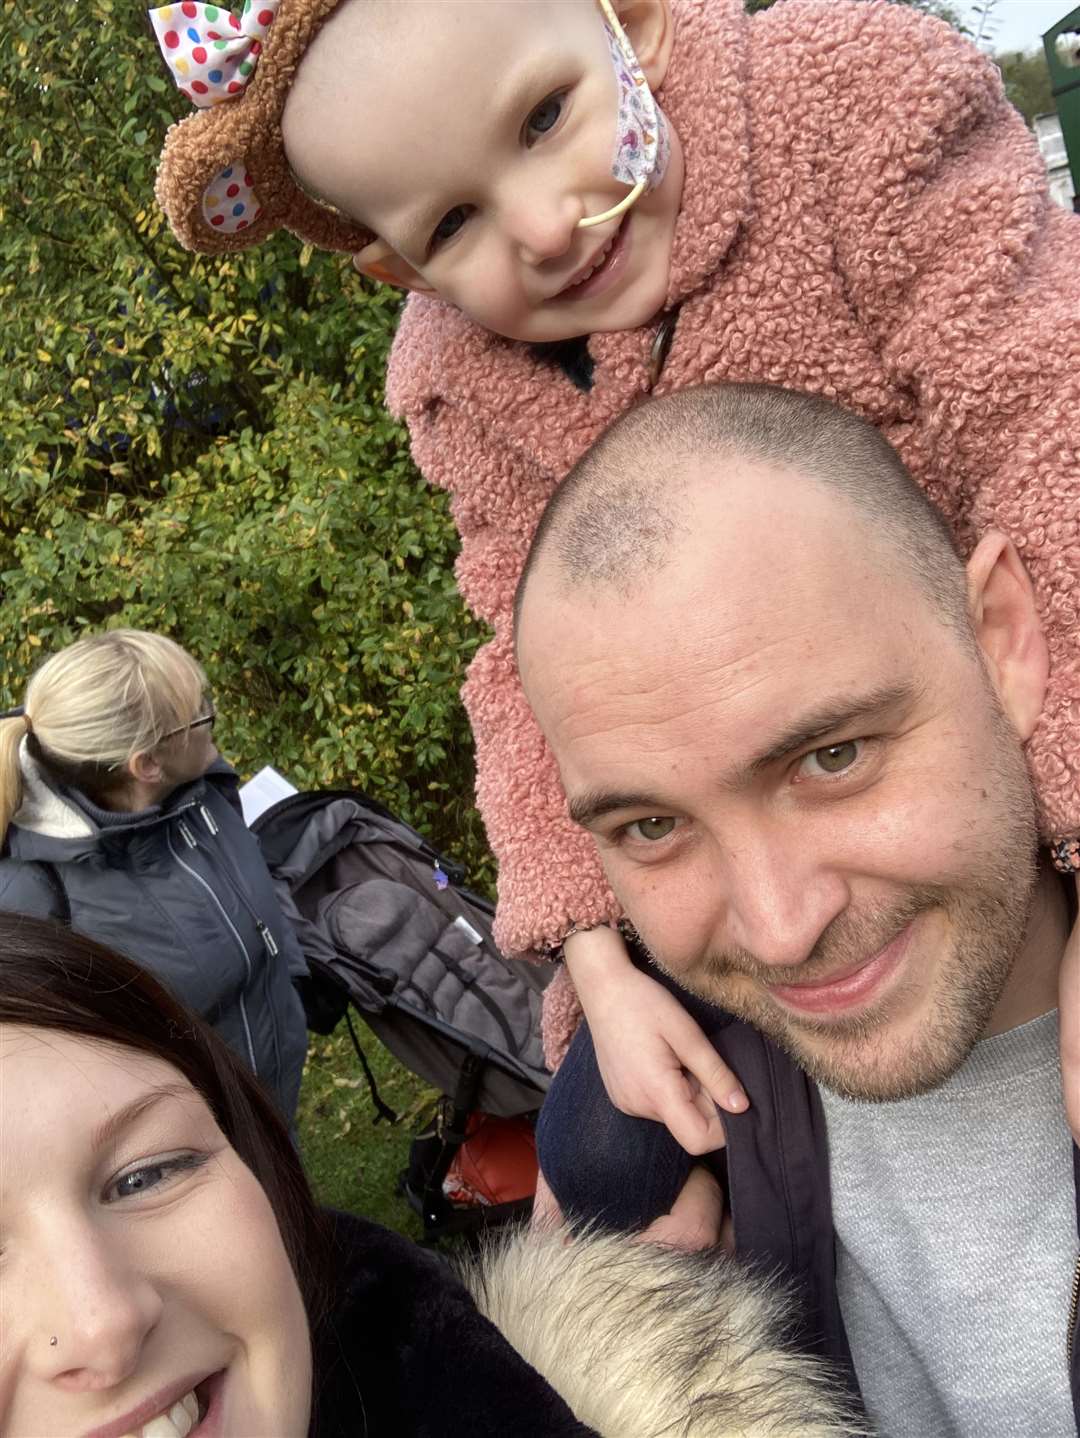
200 446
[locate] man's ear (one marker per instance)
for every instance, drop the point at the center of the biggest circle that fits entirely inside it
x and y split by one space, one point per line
1005 618
651 30
379 262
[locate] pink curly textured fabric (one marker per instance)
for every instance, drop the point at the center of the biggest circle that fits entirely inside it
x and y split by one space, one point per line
864 217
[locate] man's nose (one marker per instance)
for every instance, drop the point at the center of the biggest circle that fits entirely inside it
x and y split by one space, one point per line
94 1310
781 897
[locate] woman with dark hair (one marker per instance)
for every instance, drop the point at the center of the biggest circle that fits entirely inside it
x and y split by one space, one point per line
165 1270
165 1273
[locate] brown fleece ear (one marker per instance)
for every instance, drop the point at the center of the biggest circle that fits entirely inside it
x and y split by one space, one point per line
244 133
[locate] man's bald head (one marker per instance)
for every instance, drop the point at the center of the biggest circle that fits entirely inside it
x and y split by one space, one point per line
739 637
628 505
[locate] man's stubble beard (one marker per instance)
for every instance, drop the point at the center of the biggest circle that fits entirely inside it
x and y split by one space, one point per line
986 915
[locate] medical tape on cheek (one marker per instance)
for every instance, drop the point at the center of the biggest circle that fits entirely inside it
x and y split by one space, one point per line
642 145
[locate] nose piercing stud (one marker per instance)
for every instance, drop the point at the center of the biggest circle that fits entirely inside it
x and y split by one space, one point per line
52 1342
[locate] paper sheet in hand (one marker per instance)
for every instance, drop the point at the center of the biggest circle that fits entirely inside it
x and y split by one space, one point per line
260 792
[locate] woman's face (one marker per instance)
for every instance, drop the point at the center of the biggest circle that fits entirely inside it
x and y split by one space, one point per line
142 1272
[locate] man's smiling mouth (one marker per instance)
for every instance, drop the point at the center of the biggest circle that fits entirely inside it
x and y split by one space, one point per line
854 986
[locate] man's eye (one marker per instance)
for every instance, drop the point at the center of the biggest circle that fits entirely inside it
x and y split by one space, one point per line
651 829
449 225
832 759
544 117
152 1175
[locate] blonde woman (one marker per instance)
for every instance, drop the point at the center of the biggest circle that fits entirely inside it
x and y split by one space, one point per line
119 818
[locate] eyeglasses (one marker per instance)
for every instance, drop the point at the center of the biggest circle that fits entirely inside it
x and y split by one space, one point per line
207 719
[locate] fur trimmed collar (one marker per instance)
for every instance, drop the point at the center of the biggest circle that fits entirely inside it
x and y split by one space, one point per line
641 1340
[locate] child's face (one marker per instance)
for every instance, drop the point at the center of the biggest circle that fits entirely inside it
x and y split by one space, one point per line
472 137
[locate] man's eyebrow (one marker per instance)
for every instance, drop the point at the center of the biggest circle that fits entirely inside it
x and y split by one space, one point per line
833 714
107 1132
593 804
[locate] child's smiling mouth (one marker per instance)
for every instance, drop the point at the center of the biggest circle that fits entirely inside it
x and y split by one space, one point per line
602 270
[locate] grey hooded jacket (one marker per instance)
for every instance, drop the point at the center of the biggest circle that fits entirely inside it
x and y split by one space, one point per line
185 892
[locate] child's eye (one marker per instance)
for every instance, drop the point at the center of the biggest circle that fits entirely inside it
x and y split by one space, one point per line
150 1175
449 225
545 117
830 760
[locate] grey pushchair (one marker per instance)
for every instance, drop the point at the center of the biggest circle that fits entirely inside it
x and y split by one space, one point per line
391 931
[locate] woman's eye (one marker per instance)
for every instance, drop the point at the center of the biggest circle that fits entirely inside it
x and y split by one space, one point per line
152 1175
651 829
544 117
449 225
832 759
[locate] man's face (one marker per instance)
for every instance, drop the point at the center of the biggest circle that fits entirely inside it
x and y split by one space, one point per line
802 785
481 134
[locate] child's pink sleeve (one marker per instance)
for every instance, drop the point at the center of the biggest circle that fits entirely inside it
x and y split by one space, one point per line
549 872
969 278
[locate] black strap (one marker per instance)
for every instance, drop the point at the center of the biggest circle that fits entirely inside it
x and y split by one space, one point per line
383 1110
56 884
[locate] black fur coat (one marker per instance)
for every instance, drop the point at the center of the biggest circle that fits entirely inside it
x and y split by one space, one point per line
405 1353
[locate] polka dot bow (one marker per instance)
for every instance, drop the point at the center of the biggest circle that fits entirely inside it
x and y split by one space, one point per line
212 55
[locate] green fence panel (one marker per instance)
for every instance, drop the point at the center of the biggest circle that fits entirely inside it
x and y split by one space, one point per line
1062 45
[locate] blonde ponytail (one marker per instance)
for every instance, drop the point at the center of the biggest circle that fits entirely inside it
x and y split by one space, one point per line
97 703
11 736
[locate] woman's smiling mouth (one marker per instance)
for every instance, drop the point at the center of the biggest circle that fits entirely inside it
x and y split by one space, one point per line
168 1413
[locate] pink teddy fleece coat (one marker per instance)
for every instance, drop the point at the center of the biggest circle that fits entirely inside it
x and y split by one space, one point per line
864 217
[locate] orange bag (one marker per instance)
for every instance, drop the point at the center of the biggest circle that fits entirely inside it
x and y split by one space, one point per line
496 1164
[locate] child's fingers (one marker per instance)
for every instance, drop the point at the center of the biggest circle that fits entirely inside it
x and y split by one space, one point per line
689 1114
1069 1017
697 1055
546 1213
696 1215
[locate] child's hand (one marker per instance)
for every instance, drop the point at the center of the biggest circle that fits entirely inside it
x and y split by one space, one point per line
1069 1018
697 1218
546 1213
655 1061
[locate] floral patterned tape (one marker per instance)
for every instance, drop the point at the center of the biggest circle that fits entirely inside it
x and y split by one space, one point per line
642 146
212 55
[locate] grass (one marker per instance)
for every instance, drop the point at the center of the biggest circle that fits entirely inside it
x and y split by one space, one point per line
353 1163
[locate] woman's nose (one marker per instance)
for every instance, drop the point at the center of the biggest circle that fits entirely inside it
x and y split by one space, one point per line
94 1311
